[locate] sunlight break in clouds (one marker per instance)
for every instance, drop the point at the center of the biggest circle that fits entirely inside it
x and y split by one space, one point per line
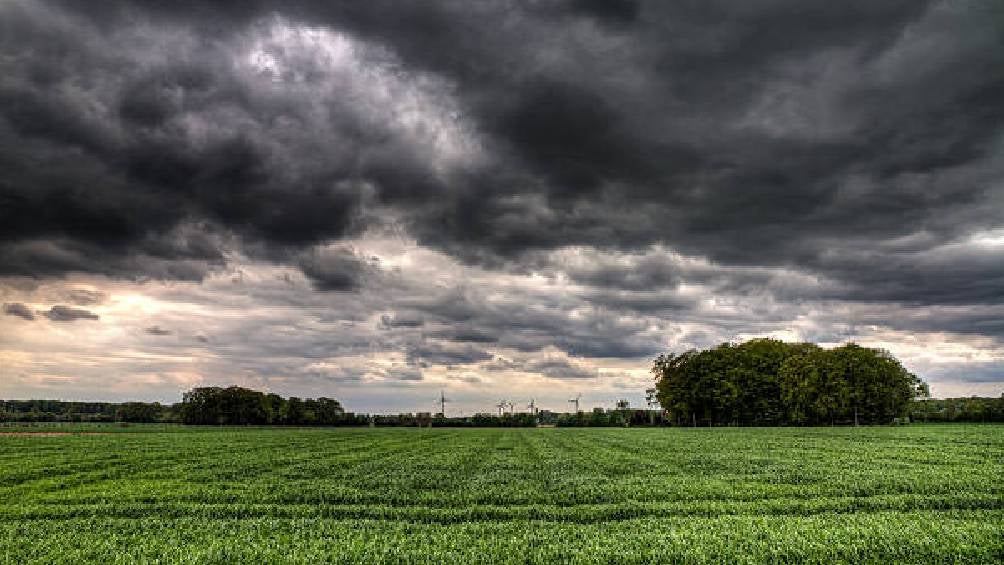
325 67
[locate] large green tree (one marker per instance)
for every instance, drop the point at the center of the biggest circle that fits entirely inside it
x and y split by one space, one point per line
770 382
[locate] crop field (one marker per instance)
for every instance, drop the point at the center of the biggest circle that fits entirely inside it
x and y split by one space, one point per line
911 494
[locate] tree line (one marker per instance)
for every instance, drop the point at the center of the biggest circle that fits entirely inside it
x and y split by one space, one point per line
618 418
83 412
767 382
241 406
236 405
204 405
971 409
760 382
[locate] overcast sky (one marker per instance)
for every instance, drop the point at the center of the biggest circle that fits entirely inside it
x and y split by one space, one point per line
380 200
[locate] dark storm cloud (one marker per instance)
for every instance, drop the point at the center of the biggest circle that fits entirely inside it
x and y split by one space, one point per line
531 323
552 367
647 272
857 142
60 313
138 143
404 374
400 320
18 309
617 11
157 330
335 269
84 297
560 369
434 353
967 373
978 319
465 334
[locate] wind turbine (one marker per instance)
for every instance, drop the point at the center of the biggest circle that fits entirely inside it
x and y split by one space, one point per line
511 407
532 407
575 401
442 403
501 406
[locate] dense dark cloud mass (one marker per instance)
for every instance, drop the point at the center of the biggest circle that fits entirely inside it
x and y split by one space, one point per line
560 369
774 135
743 166
335 269
18 309
61 313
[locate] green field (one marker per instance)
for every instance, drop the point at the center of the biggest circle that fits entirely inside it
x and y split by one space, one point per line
919 494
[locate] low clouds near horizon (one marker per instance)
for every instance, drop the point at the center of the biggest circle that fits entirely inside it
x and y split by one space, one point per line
379 200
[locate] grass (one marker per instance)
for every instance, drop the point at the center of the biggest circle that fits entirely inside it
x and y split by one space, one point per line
916 494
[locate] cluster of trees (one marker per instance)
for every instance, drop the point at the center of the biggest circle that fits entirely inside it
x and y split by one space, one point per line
206 405
972 409
767 382
597 418
487 421
62 411
239 406
144 412
600 418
